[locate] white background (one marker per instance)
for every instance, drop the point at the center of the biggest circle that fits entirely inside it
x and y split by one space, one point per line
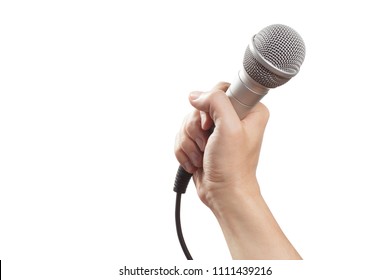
92 94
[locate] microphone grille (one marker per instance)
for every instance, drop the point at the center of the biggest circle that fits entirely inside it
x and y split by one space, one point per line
282 47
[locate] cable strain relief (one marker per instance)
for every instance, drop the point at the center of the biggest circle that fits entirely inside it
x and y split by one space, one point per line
181 181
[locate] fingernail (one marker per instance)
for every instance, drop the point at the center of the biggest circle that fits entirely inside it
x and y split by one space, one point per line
200 144
195 95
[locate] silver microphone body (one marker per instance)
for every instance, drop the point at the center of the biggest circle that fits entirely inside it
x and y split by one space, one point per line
272 58
244 93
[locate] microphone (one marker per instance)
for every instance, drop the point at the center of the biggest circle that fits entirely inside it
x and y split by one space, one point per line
272 58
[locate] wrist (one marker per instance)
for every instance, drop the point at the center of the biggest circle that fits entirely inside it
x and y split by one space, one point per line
249 227
233 198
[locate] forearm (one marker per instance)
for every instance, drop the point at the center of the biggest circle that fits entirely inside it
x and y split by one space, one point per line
250 229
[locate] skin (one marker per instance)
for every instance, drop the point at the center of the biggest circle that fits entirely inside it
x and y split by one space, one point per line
223 164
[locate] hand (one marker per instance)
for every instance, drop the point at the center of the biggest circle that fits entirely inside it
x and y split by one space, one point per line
225 161
224 165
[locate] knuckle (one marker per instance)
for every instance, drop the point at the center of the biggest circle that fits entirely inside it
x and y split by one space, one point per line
265 110
193 119
222 85
217 94
192 124
235 132
184 145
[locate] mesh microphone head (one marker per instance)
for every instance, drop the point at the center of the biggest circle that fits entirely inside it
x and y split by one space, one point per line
278 46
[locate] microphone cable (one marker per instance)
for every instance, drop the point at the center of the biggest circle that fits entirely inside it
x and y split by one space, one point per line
181 182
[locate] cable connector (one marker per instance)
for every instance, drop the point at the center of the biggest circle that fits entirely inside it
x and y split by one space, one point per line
181 181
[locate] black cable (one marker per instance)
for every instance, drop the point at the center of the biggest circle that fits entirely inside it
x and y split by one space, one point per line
181 182
178 228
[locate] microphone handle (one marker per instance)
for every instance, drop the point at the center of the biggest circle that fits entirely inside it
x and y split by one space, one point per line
244 93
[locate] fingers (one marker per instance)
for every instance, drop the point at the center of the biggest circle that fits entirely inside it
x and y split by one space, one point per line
221 86
217 105
184 161
194 131
190 143
188 154
192 138
214 107
206 120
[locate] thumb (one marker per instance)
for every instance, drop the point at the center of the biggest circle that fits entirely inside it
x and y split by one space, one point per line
217 105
